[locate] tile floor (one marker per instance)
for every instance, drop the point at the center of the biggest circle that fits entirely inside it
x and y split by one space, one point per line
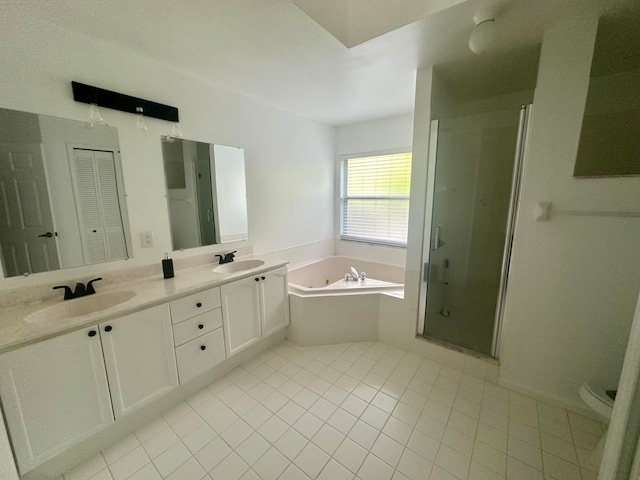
365 411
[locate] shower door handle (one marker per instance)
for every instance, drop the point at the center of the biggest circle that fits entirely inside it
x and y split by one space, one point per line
437 242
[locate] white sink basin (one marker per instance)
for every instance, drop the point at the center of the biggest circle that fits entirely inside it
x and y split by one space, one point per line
80 306
241 266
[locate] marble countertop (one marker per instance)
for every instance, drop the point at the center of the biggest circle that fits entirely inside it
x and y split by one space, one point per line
16 330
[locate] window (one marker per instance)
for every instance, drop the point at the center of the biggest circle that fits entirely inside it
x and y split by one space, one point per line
374 198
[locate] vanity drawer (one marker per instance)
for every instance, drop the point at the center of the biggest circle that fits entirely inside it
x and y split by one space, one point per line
195 304
196 326
199 355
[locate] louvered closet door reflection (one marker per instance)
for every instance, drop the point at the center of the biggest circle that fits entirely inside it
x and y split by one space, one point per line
98 206
110 205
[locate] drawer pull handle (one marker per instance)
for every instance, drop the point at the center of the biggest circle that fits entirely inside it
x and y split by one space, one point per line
203 347
198 304
200 326
92 333
108 328
262 278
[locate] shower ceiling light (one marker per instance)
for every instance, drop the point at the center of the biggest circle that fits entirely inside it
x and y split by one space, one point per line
483 36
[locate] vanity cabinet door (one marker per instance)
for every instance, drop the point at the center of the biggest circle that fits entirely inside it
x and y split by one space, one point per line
140 358
241 314
275 301
54 394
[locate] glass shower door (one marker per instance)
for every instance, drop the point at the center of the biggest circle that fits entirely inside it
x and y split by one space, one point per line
472 198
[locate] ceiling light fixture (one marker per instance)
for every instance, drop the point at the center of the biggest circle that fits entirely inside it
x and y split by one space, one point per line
483 36
140 123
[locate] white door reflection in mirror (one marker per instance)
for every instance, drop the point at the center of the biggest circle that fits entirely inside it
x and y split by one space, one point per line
27 235
230 190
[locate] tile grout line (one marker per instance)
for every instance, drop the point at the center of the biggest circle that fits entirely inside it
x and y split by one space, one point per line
387 364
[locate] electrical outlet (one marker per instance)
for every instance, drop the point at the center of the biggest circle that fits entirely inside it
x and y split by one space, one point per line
146 239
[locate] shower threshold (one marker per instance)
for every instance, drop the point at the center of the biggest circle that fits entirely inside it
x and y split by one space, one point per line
459 349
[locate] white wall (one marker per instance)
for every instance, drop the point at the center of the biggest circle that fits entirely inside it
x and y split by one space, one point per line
376 136
574 280
290 161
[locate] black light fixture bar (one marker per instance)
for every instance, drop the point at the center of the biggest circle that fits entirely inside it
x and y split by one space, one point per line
125 103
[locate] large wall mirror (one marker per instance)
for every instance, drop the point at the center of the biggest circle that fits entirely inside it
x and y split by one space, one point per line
206 193
62 201
610 136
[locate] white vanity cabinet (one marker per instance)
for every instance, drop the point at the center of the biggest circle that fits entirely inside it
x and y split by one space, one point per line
58 392
241 314
254 308
54 394
139 356
274 295
197 333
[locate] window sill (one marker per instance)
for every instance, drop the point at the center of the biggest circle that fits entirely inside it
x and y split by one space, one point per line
373 243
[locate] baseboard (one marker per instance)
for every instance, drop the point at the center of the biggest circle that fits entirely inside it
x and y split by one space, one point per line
568 405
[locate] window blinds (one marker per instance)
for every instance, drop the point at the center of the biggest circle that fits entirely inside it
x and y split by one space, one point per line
375 198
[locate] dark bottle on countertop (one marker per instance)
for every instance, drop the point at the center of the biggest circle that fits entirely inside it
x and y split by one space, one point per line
167 266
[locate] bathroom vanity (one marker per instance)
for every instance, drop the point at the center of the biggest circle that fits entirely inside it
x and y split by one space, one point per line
64 376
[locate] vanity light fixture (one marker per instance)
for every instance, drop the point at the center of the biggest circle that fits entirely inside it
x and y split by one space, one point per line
140 123
176 131
99 97
483 35
95 115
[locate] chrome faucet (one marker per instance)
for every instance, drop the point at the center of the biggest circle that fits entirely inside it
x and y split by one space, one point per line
354 274
80 291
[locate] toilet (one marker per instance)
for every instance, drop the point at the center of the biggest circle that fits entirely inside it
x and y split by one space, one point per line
601 402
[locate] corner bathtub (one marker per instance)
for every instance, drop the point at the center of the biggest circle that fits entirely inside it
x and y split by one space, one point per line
325 308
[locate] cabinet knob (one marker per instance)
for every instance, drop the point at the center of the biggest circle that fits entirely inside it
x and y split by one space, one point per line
92 333
200 326
262 278
257 279
203 347
198 304
108 328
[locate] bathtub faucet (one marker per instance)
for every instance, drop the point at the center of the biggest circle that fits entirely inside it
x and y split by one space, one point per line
354 275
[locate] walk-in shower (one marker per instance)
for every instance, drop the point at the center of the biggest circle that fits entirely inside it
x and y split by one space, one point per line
474 177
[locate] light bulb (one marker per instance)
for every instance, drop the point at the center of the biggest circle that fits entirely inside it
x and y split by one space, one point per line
140 123
483 36
176 131
94 113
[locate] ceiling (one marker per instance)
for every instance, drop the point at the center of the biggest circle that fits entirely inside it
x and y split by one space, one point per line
273 51
353 22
